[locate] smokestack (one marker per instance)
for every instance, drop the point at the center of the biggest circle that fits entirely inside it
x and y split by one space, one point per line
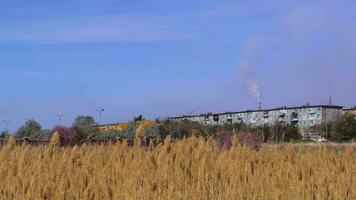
330 95
260 105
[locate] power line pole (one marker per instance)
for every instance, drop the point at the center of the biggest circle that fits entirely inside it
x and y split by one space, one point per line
60 117
100 111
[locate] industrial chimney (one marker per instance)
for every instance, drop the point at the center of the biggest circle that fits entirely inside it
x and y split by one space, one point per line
260 105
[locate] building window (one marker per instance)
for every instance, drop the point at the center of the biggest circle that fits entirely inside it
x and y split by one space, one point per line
312 111
216 118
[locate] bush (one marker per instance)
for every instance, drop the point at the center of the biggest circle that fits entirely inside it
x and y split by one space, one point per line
223 138
31 129
63 132
181 129
263 131
249 139
187 128
152 131
84 127
211 130
278 132
344 128
104 135
4 134
130 130
82 133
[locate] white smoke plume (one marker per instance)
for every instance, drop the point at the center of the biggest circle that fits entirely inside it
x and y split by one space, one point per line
254 90
249 59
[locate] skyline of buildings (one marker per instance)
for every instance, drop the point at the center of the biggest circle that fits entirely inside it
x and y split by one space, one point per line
304 117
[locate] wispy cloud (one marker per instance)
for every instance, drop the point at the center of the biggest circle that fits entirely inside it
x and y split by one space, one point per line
111 28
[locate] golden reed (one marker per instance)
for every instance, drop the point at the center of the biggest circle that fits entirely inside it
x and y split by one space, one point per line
188 169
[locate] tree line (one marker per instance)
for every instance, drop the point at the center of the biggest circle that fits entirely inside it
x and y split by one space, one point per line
83 127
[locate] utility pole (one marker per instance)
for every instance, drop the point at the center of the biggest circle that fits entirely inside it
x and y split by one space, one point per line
100 111
60 117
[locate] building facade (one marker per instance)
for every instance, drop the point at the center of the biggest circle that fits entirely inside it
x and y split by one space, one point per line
303 116
121 126
111 127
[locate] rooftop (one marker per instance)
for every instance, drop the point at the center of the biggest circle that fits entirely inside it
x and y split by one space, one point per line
350 109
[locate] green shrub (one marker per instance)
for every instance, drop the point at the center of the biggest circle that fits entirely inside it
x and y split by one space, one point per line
344 128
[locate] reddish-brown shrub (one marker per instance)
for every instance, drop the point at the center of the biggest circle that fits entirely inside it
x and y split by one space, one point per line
64 132
249 139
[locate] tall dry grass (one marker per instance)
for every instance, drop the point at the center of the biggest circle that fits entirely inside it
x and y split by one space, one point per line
188 169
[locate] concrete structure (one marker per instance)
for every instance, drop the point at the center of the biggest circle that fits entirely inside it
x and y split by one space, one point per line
303 116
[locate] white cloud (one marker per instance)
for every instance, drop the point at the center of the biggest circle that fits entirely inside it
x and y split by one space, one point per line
90 29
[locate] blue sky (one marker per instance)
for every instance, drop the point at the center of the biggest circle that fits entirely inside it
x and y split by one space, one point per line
162 58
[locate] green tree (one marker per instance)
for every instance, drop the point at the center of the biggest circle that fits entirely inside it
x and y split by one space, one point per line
152 131
31 129
84 127
344 128
4 134
165 127
278 132
130 130
84 121
139 118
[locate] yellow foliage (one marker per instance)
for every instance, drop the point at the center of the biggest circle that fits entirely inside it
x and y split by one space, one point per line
147 123
188 169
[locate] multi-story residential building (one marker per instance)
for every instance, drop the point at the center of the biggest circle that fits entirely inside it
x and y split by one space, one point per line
303 116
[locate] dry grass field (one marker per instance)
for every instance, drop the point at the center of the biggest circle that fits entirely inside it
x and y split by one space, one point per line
188 169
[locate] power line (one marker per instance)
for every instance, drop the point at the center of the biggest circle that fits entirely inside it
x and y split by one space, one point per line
60 117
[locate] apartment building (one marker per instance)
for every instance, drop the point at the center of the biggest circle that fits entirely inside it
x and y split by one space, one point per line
303 116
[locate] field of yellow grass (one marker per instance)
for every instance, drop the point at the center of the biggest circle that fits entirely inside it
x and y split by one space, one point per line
188 169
